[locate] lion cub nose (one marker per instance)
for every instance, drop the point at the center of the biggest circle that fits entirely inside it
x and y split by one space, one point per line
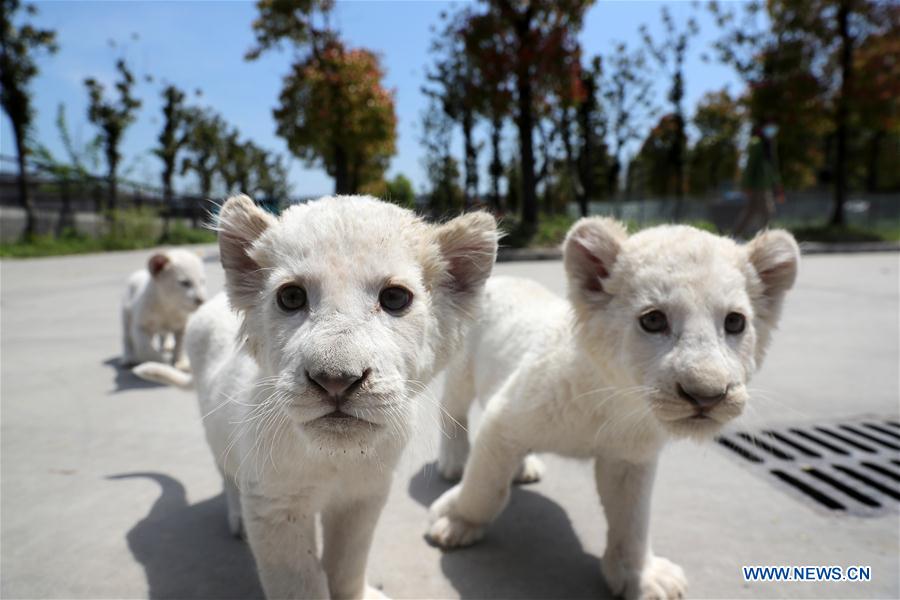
338 385
701 399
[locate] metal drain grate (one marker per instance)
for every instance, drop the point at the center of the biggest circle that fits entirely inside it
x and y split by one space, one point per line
848 468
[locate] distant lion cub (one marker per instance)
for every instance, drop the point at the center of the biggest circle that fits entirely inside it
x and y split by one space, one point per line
662 333
158 301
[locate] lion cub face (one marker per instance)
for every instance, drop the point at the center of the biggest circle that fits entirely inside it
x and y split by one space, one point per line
349 307
180 278
683 313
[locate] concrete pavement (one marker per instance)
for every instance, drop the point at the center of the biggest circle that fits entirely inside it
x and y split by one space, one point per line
107 488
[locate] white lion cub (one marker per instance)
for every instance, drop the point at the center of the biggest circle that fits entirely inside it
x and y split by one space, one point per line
662 333
158 301
342 309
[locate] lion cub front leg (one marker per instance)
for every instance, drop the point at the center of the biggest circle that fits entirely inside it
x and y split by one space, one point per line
629 566
459 516
283 541
347 531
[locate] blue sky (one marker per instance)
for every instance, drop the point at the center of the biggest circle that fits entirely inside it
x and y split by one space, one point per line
196 44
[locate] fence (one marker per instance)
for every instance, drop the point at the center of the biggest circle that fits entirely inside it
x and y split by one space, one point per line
81 202
808 207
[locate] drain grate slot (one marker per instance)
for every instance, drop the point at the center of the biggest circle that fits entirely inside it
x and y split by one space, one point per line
820 442
882 470
848 468
758 443
740 450
795 445
858 496
847 441
810 491
883 430
868 481
870 437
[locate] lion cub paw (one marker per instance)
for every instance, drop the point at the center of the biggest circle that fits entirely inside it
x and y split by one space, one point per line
447 529
530 471
452 532
660 579
373 593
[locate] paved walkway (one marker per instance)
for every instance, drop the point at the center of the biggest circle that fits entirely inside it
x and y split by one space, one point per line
108 489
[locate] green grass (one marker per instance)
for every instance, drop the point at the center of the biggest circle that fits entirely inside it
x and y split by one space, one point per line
182 234
552 231
846 233
129 230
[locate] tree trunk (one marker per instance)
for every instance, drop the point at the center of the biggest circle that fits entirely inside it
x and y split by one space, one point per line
113 198
24 190
168 199
586 158
496 168
573 162
840 157
525 123
65 220
342 184
678 161
471 192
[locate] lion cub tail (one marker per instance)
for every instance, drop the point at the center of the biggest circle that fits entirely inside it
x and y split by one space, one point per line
164 374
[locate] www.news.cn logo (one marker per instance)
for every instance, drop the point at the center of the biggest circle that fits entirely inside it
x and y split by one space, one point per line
807 573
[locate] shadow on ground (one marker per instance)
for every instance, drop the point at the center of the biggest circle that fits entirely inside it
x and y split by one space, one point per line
531 551
125 379
187 550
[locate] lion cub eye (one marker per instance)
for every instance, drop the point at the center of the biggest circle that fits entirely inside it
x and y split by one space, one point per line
735 323
395 298
654 321
291 298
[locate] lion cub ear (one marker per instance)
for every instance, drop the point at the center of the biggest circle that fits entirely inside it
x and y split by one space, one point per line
775 257
468 245
589 253
157 263
241 223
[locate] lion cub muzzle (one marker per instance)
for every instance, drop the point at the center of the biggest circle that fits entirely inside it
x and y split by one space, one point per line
337 387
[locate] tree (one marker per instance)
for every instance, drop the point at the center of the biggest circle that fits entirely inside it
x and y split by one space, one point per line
400 191
670 55
445 194
270 177
172 138
626 96
203 149
335 112
713 160
112 117
654 169
492 84
836 29
801 66
580 127
234 162
18 44
534 41
73 172
454 85
875 106
293 22
782 88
